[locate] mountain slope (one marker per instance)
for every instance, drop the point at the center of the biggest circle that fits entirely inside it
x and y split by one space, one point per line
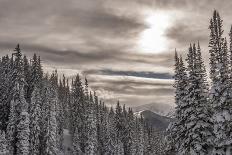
157 121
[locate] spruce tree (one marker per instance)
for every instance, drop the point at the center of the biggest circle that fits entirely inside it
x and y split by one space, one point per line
11 129
131 133
91 144
18 126
176 130
220 97
5 90
23 130
112 131
118 123
35 115
76 144
51 123
3 144
198 131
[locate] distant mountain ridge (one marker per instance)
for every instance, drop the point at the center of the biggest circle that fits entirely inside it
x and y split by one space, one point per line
158 122
162 109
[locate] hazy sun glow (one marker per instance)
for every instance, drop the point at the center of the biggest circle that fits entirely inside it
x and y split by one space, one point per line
152 39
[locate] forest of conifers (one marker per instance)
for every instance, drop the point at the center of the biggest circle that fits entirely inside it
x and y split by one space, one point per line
36 107
203 121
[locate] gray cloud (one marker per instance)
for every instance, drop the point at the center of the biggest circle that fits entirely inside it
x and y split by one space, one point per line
99 39
132 91
183 34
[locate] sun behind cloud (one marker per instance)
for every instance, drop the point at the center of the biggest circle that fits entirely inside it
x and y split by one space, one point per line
153 39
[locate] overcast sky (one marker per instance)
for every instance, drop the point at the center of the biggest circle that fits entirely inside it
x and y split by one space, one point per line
124 47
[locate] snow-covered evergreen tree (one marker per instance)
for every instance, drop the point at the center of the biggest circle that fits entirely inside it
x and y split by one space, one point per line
119 124
35 115
3 144
112 131
197 114
35 108
91 127
11 129
76 144
220 96
119 150
5 90
139 137
18 125
23 130
176 129
130 142
51 127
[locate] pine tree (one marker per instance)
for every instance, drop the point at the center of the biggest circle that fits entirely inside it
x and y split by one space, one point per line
3 144
27 75
139 137
76 144
119 148
78 112
118 122
11 129
51 127
131 132
23 130
91 144
35 107
35 115
176 129
220 97
198 132
106 133
5 90
18 127
112 131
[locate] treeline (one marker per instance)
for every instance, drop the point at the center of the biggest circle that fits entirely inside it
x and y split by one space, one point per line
203 123
35 108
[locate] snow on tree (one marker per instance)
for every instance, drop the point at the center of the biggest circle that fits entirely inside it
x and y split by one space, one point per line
112 131
105 138
51 124
28 81
35 115
197 115
5 90
91 127
220 96
3 144
18 125
35 108
119 150
119 122
176 129
23 130
76 144
79 112
11 129
130 133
